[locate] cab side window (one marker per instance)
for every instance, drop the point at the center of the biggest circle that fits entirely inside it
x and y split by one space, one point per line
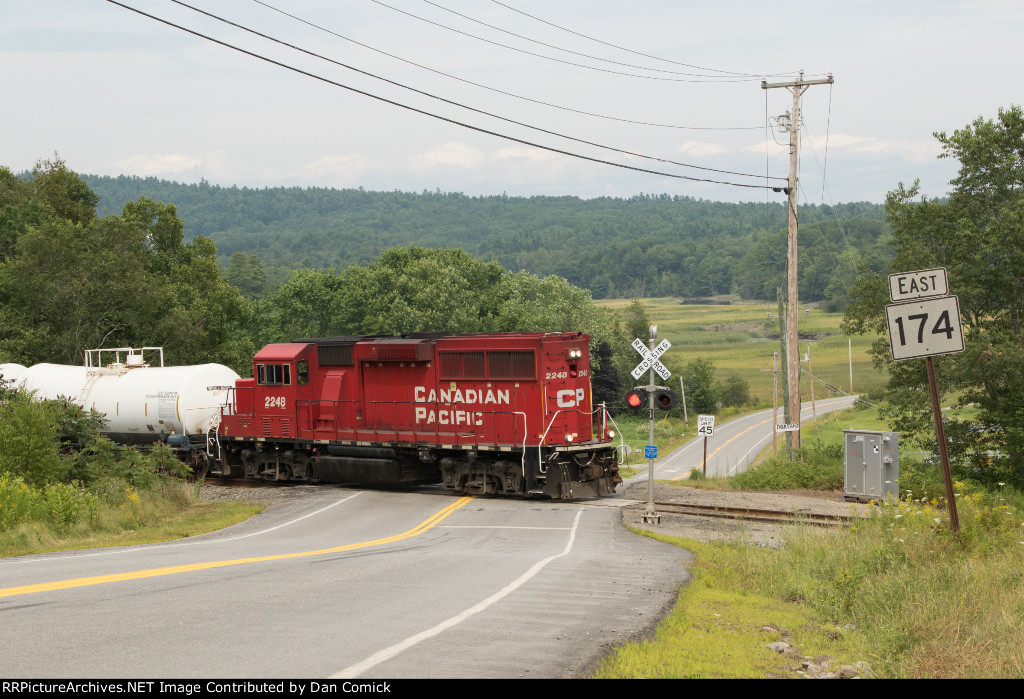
273 374
302 372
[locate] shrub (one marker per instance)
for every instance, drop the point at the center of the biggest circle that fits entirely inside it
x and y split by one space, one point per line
29 445
68 504
735 391
19 502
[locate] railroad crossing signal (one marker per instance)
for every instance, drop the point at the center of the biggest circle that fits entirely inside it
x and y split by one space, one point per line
650 359
636 399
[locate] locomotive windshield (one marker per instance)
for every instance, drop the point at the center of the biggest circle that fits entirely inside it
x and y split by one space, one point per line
274 374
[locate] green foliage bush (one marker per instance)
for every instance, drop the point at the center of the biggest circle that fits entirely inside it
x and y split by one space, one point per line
18 501
734 391
62 505
817 466
29 445
67 504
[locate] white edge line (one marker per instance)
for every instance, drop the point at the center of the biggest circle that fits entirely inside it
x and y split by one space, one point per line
180 542
390 652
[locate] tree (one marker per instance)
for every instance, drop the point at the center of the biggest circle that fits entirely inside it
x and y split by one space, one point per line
638 325
248 274
977 234
701 390
70 281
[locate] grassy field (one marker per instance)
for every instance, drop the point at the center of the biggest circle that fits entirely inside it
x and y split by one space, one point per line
739 338
895 595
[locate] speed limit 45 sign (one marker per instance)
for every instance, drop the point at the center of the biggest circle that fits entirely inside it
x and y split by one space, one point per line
924 328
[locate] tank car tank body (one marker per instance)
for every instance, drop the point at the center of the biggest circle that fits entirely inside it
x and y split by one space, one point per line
11 375
498 413
142 403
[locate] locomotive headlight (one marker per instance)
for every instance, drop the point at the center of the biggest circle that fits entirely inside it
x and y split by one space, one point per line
574 354
610 434
568 439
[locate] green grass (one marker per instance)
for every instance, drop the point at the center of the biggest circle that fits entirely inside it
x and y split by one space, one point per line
720 628
170 511
739 339
897 591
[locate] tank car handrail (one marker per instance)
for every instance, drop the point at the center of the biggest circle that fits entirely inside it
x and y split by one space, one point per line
131 352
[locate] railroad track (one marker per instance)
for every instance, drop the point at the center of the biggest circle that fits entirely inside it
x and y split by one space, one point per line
748 514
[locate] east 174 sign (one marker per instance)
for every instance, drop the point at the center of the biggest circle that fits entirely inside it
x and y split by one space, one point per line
924 327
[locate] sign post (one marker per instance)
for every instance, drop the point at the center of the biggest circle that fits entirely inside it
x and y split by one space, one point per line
923 321
651 364
705 428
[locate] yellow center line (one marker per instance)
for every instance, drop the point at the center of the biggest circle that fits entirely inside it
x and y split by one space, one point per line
724 444
172 570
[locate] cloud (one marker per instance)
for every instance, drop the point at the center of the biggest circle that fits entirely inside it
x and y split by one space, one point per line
454 155
340 165
701 148
154 165
523 153
911 151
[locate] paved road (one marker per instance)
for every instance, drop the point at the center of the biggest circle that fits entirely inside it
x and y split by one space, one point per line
347 583
734 444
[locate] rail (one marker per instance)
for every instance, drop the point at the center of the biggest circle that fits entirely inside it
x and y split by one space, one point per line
751 514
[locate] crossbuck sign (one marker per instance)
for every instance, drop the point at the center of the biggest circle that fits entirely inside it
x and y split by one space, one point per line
651 359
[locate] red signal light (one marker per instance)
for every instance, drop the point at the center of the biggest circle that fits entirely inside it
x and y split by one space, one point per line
636 399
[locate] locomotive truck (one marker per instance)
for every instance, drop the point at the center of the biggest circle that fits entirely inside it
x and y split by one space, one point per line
489 413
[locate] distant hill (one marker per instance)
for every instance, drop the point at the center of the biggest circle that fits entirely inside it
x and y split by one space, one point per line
647 245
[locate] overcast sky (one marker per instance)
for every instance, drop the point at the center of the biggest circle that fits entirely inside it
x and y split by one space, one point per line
114 92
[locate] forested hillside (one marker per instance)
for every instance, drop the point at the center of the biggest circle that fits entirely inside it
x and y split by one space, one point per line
644 246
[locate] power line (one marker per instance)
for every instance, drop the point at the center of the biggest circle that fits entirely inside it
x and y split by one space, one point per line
559 60
638 53
426 113
458 104
559 48
504 92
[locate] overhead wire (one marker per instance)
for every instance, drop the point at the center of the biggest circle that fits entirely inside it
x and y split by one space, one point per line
638 53
426 113
560 48
499 91
707 79
458 104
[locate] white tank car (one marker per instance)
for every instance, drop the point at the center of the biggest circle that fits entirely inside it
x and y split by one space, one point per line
11 374
142 403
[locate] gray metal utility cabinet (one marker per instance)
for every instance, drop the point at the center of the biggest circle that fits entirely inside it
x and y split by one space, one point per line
871 463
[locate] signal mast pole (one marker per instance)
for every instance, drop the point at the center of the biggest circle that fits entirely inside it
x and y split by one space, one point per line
797 87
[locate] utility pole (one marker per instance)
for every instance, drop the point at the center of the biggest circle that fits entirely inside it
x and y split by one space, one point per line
797 87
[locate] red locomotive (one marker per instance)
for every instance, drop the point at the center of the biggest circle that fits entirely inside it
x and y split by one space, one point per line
500 413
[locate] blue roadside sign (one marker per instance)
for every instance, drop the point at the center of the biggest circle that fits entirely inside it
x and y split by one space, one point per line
650 452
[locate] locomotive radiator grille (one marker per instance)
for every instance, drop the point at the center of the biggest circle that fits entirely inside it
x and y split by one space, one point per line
284 428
